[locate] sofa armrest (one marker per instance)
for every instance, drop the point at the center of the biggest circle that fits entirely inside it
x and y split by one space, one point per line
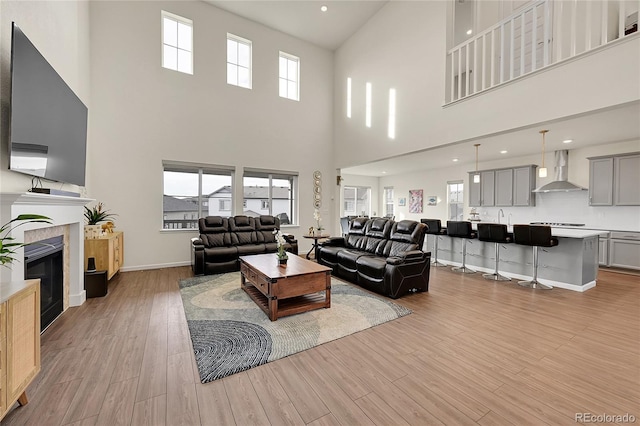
197 244
197 256
289 238
333 241
406 256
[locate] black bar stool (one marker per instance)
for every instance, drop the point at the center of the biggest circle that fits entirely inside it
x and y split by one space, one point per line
461 229
434 227
494 233
535 236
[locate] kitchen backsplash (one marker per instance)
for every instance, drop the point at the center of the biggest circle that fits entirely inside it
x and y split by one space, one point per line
568 207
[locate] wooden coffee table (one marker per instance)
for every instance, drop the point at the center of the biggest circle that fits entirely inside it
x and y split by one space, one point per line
285 290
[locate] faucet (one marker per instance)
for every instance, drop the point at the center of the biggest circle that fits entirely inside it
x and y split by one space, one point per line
500 213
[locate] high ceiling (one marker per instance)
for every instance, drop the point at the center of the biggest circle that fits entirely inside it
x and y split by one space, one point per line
304 19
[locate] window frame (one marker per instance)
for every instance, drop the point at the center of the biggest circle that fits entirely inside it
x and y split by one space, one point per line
200 170
389 201
459 202
271 175
296 59
179 19
249 43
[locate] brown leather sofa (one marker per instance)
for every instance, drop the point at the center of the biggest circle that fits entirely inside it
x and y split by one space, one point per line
380 255
223 240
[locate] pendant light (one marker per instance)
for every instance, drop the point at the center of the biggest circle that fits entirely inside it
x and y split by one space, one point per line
542 171
476 177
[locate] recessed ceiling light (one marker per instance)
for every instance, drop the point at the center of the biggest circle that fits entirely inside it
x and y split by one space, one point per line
455 160
469 32
324 8
567 141
384 173
504 151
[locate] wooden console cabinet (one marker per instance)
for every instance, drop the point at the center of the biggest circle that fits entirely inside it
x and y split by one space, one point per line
108 251
19 341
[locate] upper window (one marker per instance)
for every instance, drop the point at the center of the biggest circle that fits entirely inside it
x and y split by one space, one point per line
388 202
271 193
238 61
191 191
455 200
289 76
177 43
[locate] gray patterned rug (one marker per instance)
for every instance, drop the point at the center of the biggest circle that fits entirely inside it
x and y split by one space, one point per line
230 333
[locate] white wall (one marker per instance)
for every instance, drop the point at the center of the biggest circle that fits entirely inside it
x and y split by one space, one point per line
143 114
60 31
553 207
404 47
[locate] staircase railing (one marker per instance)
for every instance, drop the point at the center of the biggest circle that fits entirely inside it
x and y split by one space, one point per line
541 34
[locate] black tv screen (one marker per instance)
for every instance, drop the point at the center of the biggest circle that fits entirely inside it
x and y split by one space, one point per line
48 121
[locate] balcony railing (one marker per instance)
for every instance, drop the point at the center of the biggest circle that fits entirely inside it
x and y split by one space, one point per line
541 34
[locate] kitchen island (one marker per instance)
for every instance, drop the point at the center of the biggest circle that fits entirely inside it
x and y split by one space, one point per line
572 264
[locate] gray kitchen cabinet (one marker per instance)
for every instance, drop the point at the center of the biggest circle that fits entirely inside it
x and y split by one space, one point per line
624 250
603 250
482 194
524 182
626 179
613 180
601 181
504 187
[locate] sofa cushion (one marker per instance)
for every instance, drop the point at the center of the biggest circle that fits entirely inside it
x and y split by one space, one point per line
213 224
347 258
220 254
216 240
241 224
372 266
247 249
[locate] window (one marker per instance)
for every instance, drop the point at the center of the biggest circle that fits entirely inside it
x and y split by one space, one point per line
391 131
190 191
271 192
177 43
367 105
289 76
357 201
455 200
388 202
349 97
238 61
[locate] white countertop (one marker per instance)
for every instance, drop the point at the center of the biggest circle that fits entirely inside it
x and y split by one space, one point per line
564 232
577 233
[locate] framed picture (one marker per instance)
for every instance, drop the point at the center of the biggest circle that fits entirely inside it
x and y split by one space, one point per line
415 201
432 200
402 202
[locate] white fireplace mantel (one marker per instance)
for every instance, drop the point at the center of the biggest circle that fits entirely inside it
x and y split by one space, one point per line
63 211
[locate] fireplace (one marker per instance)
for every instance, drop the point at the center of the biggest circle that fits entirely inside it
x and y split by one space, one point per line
43 260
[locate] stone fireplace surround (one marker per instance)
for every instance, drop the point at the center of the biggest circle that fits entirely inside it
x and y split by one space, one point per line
67 216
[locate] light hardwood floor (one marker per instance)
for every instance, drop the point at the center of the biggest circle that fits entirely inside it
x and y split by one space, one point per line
473 352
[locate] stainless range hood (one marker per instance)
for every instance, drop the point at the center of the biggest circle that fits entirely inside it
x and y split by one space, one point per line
560 184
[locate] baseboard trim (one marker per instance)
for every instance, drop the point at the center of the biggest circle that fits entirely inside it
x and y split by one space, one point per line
154 266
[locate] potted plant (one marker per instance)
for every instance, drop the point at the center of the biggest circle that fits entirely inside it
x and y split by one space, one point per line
281 253
94 216
8 245
318 219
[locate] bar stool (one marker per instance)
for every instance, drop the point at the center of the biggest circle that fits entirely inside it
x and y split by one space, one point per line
494 233
535 236
434 227
461 229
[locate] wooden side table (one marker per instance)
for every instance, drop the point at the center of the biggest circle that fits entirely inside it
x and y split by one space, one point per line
315 239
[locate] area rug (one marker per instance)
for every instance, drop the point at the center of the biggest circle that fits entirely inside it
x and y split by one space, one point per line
230 333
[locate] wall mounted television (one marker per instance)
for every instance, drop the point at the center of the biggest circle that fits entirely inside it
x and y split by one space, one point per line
48 125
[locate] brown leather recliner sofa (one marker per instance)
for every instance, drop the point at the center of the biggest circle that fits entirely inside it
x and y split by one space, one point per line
380 255
223 240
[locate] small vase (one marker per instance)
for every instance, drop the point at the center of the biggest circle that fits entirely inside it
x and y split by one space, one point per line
282 261
91 232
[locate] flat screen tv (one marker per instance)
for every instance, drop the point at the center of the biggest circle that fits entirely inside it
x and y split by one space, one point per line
48 133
